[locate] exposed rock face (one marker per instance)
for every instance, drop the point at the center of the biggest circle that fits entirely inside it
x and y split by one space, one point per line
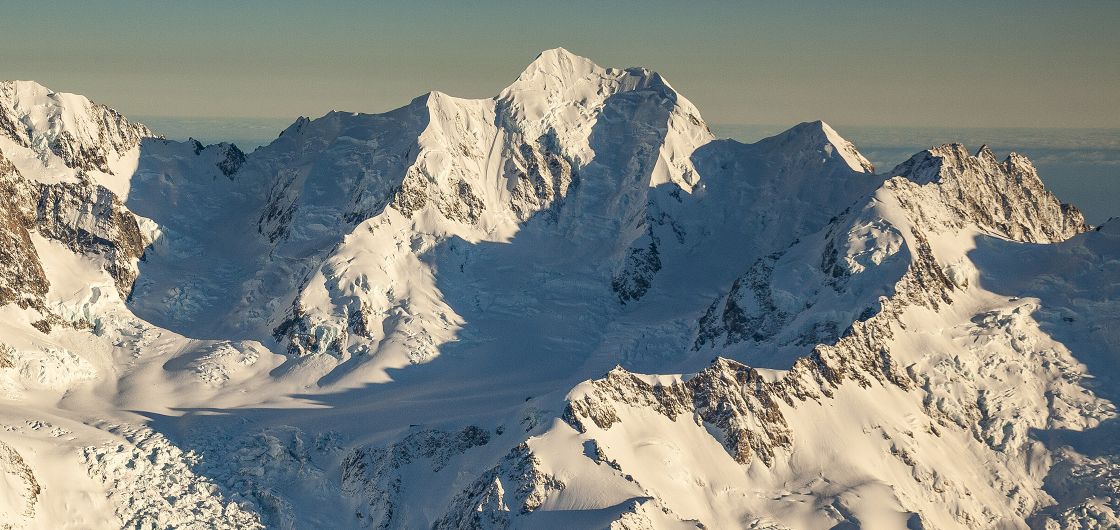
6 356
942 190
86 217
516 486
77 211
373 474
1006 197
79 156
22 279
233 160
459 203
636 277
275 220
11 127
748 312
86 136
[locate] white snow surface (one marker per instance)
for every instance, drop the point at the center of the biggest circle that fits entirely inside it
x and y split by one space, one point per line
503 313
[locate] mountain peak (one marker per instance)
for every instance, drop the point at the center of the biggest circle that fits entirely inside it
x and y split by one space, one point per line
817 130
556 93
1018 161
560 57
25 86
26 96
985 153
819 136
926 166
954 161
1006 197
558 52
84 134
556 64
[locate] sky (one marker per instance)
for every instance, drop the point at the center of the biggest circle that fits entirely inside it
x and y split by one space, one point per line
997 63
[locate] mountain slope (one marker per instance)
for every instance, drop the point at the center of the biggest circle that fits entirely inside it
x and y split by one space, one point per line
503 313
920 377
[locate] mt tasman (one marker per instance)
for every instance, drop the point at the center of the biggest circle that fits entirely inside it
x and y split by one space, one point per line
568 306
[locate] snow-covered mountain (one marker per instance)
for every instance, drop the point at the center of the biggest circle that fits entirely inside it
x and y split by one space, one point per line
565 306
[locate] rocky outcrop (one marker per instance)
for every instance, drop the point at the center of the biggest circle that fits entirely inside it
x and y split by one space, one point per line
22 280
22 489
6 354
728 395
459 203
90 219
1006 197
539 178
514 487
79 156
641 265
12 128
84 216
744 405
943 190
77 211
231 163
373 475
275 219
305 337
747 312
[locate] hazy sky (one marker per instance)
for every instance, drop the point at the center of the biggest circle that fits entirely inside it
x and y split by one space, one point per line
996 63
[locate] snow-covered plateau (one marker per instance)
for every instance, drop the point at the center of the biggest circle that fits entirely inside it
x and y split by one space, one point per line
567 306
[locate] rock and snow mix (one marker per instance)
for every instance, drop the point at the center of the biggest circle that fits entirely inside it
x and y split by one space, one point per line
504 313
